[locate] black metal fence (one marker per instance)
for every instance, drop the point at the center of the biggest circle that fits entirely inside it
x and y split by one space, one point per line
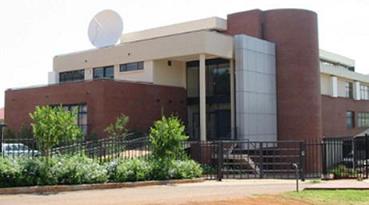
332 157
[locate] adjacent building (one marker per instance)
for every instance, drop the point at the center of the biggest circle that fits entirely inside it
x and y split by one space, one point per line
257 75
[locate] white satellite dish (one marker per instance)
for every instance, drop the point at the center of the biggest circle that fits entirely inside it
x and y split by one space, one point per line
105 29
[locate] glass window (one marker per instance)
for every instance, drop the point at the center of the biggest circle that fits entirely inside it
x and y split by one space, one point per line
70 76
81 110
104 72
349 88
131 66
364 92
350 119
363 119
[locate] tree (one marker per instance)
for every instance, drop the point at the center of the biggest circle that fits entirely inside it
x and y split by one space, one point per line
53 124
118 128
166 137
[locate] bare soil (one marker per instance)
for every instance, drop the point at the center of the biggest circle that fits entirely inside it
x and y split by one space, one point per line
259 200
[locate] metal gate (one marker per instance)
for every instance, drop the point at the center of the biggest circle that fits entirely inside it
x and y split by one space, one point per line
246 159
346 157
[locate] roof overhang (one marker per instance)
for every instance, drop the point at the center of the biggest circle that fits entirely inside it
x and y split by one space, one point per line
187 44
212 23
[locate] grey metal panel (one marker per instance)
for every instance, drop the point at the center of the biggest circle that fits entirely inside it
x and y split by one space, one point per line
256 100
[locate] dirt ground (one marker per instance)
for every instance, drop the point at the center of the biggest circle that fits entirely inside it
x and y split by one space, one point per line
259 200
208 192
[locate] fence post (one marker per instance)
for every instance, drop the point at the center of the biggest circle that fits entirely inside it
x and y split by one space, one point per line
220 161
2 129
366 155
302 160
324 156
261 158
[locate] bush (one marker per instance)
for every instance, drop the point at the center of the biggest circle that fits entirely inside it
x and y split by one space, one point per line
79 170
166 137
9 172
141 169
51 171
185 169
37 171
130 170
50 125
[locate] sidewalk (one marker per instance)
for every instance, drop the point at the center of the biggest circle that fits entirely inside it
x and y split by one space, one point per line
340 184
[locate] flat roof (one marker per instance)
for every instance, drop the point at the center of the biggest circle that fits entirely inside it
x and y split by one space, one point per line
336 58
212 23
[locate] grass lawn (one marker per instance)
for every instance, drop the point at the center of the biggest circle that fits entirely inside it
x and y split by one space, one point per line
334 197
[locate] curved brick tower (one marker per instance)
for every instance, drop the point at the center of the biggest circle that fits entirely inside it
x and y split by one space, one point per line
295 34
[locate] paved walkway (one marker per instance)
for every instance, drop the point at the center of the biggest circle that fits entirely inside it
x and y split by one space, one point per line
195 193
340 184
168 194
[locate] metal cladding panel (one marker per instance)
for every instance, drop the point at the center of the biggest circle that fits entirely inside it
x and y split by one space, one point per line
256 98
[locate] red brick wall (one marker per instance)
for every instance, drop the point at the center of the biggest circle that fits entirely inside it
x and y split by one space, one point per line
334 115
295 34
105 100
249 22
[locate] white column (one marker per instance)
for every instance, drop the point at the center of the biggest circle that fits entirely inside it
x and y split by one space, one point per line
53 77
334 86
357 90
233 111
202 82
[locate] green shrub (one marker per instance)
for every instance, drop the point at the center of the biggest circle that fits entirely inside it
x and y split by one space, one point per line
185 169
131 170
141 169
10 172
50 125
37 171
79 169
55 170
160 169
341 171
119 127
166 138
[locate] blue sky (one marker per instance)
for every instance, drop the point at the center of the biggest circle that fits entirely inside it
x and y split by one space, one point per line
33 31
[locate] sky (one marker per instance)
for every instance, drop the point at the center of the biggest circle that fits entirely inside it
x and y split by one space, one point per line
32 32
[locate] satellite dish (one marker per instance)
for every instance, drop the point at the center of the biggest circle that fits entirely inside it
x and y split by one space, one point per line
105 29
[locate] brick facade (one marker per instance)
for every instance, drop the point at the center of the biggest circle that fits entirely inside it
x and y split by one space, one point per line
105 100
334 115
298 80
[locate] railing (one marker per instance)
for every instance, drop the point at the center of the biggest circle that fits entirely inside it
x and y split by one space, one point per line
332 157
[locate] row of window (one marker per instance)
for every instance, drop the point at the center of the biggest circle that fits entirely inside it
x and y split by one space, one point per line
106 72
349 91
362 119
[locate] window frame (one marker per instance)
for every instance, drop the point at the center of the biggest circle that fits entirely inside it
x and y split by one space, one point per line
137 66
104 70
72 76
350 119
349 90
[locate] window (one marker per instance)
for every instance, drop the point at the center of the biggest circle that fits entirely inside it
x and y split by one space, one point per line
349 88
131 66
81 110
350 119
104 72
71 76
363 119
364 92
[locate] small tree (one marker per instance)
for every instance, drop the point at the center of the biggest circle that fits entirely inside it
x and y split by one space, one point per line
118 128
51 125
166 137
